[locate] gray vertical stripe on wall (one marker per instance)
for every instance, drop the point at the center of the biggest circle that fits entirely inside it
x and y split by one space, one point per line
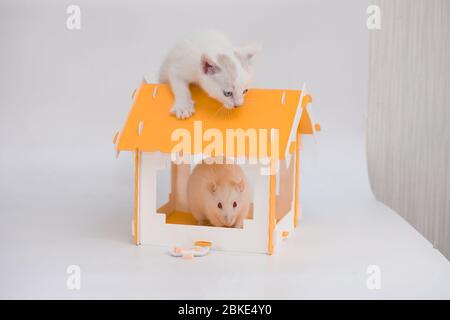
408 135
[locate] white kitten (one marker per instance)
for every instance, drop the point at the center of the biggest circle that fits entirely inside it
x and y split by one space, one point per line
209 60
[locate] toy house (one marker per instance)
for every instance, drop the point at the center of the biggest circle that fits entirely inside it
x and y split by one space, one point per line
263 136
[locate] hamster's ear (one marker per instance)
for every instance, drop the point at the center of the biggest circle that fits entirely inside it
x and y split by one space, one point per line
208 65
212 187
240 185
246 54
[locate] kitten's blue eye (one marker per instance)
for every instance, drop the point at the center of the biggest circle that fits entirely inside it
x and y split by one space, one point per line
227 93
245 91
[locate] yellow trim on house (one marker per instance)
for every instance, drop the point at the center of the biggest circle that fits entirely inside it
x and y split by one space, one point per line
136 198
150 125
297 176
305 125
272 209
181 217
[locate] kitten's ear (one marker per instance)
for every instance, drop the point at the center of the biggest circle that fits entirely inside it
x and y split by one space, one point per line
208 65
246 54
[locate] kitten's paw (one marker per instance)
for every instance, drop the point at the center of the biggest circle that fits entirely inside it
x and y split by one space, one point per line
183 111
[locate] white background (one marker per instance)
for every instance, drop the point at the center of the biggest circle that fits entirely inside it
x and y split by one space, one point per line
65 199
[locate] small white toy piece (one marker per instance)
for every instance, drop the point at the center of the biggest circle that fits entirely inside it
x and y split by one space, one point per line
189 253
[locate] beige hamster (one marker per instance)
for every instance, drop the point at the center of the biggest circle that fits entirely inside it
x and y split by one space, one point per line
219 194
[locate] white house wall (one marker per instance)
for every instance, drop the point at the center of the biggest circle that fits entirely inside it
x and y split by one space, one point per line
153 229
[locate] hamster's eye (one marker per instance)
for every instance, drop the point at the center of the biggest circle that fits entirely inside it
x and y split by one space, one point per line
227 93
219 205
245 91
234 204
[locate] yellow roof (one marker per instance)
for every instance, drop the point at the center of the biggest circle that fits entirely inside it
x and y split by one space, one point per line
150 125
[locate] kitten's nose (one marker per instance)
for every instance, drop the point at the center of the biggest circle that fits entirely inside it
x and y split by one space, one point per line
238 102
